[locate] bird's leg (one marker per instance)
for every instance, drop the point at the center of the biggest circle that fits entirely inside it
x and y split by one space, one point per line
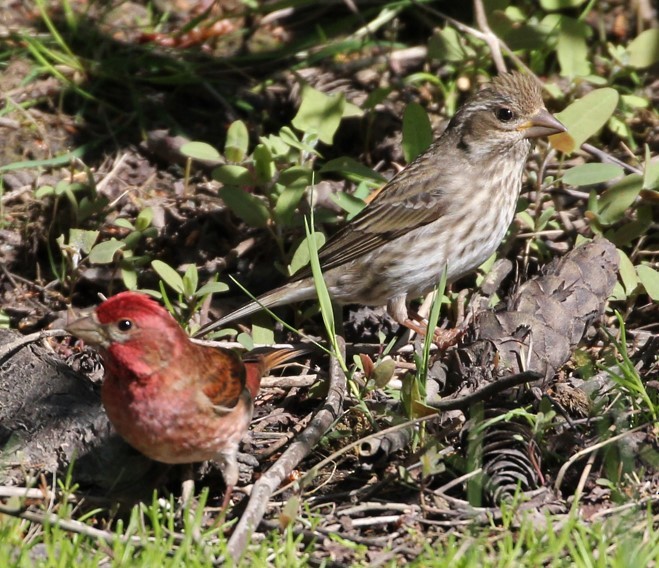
187 484
443 338
229 467
187 496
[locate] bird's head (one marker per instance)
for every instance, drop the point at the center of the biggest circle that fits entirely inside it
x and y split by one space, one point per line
507 112
133 331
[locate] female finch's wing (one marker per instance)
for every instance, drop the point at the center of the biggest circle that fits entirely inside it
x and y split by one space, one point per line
405 203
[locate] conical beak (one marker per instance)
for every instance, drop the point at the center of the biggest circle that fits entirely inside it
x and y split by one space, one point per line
89 330
542 123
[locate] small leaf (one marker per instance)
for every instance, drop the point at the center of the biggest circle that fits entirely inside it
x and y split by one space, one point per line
82 240
129 278
349 203
644 49
190 281
289 137
168 275
446 45
262 334
44 191
264 164
295 181
651 172
552 5
245 206
417 132
212 288
590 174
584 117
383 372
245 340
572 49
124 224
319 113
649 277
103 253
237 143
353 170
200 151
627 273
289 512
615 202
563 142
144 219
301 254
232 175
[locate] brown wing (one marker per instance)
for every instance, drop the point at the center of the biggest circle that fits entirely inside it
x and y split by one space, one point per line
410 200
224 379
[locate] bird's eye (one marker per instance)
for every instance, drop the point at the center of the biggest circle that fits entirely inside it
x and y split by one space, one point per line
504 114
124 325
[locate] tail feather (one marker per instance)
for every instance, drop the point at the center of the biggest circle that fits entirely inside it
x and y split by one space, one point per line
259 365
289 293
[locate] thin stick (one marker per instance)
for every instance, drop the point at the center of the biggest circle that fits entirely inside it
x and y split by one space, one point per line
296 452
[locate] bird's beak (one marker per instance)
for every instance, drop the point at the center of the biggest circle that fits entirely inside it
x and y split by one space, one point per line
89 330
542 123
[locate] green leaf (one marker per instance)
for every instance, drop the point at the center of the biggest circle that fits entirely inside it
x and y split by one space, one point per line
319 113
232 175
103 253
245 206
417 132
82 240
245 340
129 278
614 202
190 281
212 288
651 172
277 147
349 203
649 277
200 151
124 224
353 170
446 45
552 5
262 334
264 164
168 275
324 300
586 116
643 51
235 148
383 372
572 49
630 232
590 174
144 219
301 254
44 191
295 181
289 137
627 273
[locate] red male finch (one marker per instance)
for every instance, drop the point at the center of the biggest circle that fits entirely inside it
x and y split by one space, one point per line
174 400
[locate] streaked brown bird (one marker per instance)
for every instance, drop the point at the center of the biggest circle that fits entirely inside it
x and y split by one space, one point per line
174 400
450 208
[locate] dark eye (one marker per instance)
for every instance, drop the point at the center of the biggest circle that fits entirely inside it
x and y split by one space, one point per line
504 114
124 325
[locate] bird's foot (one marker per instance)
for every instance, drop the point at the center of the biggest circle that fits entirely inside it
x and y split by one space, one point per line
443 338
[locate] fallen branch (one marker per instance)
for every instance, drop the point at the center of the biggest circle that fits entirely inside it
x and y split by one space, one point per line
296 452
